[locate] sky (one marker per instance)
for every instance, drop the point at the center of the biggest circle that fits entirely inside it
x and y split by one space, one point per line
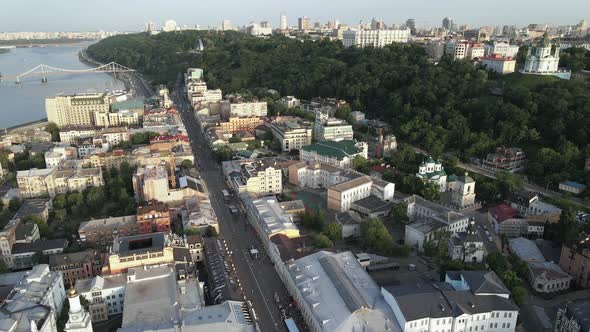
132 15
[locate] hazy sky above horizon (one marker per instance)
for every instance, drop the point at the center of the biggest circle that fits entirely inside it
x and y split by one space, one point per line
89 15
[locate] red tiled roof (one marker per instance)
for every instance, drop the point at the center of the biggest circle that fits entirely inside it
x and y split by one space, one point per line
503 212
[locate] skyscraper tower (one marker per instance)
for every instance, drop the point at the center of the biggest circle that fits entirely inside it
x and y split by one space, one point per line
411 24
447 23
283 21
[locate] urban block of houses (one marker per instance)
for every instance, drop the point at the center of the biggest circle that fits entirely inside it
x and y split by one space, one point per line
338 154
543 276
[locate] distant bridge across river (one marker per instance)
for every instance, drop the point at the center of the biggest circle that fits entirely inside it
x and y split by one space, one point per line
44 70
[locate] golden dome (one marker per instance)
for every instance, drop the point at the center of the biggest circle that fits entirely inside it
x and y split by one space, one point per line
72 292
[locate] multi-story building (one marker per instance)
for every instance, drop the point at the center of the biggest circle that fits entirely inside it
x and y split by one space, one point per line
198 214
76 110
268 217
55 156
331 129
71 134
235 124
153 217
303 23
35 302
289 102
467 246
466 301
150 183
75 266
502 49
382 146
244 109
49 182
341 196
575 260
205 97
543 276
573 317
499 64
105 294
114 135
505 159
375 37
432 171
292 135
102 232
258 177
338 154
529 205
464 49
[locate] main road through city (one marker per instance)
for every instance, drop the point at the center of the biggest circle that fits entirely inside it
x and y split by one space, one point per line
258 277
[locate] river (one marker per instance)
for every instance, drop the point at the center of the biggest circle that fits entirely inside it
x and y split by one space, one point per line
26 102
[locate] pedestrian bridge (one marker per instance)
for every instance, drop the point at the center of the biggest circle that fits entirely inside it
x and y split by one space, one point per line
44 70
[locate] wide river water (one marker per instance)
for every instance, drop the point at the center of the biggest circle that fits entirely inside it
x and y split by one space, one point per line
26 102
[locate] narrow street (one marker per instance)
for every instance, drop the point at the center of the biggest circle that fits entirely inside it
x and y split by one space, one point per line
258 278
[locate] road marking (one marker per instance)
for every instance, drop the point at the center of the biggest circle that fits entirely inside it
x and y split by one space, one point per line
260 290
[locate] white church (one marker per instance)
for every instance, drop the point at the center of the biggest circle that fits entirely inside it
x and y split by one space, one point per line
543 59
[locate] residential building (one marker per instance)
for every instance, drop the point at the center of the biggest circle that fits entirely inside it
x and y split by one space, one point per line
153 217
35 301
77 109
502 49
105 295
465 301
150 183
291 135
499 64
261 177
78 317
304 23
528 204
327 128
268 217
382 146
39 207
383 190
72 134
309 174
335 293
432 171
374 37
543 276
372 207
575 188
49 182
573 317
198 213
350 221
23 253
102 232
464 49
289 102
243 109
341 196
338 154
575 260
74 266
542 59
461 189
235 124
195 245
55 156
283 22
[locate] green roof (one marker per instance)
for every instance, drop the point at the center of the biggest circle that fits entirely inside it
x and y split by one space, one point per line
128 105
334 149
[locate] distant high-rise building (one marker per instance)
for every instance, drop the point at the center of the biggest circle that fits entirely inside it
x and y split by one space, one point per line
150 26
226 25
304 23
411 24
283 22
377 24
170 25
447 23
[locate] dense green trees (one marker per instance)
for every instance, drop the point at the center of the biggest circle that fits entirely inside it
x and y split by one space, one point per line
53 129
447 106
513 271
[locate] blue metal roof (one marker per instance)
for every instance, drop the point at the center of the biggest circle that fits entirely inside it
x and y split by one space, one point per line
573 184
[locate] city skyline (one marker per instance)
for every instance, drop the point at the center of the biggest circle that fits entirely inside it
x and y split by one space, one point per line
128 16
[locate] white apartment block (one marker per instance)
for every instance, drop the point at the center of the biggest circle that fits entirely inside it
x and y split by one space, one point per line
207 96
335 153
49 182
76 110
259 178
292 135
502 49
71 135
375 38
244 109
464 49
341 196
106 295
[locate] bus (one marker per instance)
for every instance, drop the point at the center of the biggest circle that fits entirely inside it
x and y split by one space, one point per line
225 195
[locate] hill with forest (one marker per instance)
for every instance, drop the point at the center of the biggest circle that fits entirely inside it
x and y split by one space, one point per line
449 106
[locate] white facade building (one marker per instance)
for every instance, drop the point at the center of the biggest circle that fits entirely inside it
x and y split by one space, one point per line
499 64
375 38
338 154
503 49
331 129
106 295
